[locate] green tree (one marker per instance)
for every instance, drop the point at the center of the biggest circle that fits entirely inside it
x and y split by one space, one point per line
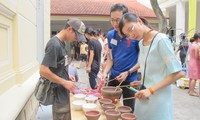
160 16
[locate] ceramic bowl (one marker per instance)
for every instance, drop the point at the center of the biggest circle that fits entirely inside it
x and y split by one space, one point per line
77 104
108 106
105 101
92 115
79 96
112 114
89 106
91 99
110 93
128 116
124 109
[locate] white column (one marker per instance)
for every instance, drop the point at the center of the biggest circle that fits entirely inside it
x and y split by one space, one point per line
180 17
40 29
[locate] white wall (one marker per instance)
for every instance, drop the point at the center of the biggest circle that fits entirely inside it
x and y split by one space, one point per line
18 56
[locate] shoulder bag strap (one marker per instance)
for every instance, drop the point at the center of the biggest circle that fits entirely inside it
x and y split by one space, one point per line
143 78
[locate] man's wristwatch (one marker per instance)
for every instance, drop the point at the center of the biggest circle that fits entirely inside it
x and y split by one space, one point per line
129 72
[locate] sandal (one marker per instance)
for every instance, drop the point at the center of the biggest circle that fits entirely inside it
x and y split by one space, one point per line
194 94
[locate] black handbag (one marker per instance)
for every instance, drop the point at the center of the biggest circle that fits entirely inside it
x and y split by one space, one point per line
44 91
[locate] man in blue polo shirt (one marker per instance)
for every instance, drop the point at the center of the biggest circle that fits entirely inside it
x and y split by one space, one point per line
122 58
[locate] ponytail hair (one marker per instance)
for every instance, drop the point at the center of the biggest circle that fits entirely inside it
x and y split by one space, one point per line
145 22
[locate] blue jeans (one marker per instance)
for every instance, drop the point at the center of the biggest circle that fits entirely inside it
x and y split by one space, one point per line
92 78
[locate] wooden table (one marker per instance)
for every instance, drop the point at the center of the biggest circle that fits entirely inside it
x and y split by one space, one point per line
79 115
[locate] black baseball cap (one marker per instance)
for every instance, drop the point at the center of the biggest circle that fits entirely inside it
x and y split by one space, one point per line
79 28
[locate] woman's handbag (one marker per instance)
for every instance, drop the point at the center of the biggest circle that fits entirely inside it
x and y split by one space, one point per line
44 91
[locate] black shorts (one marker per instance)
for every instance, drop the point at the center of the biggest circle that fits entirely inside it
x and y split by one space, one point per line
83 57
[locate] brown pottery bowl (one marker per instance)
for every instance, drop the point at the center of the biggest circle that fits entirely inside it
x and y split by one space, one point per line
112 114
128 116
124 109
105 101
108 106
92 115
110 93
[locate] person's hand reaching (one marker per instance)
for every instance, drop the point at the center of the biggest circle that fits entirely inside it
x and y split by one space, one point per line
68 85
135 84
122 76
72 78
143 94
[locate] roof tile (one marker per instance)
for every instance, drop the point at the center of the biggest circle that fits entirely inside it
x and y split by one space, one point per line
96 7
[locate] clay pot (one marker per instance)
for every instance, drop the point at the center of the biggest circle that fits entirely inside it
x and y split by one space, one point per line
124 109
108 106
92 115
105 101
112 114
128 116
110 93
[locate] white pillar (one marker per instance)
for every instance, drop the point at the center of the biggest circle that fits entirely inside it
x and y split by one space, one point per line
180 17
40 29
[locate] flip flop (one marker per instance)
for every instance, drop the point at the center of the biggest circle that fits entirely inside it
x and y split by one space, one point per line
194 94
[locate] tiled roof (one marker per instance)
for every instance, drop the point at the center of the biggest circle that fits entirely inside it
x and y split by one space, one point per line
96 7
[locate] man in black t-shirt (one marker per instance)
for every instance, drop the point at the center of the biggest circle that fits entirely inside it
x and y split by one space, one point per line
94 57
53 66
